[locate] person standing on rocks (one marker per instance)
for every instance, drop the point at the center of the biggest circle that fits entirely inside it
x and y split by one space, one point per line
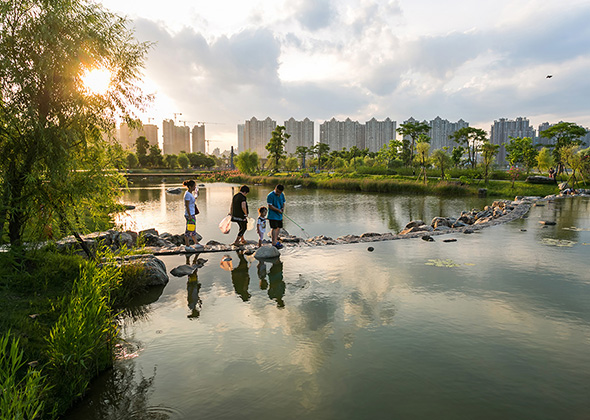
190 213
239 213
276 207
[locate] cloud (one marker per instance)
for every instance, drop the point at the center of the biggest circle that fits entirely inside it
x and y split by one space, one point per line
314 14
350 59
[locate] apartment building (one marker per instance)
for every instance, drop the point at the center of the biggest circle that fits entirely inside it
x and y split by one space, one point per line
175 138
301 132
128 136
503 129
198 138
257 134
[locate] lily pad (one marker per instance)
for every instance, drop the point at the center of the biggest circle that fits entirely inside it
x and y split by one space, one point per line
442 263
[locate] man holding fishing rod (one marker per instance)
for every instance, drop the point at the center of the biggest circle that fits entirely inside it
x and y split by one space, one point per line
276 207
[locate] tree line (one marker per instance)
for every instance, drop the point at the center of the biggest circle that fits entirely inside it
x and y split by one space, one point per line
150 156
472 150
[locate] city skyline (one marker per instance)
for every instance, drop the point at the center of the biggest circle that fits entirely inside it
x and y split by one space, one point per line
226 61
254 134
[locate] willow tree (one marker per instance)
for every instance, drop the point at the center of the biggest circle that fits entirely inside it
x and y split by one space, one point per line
56 161
247 162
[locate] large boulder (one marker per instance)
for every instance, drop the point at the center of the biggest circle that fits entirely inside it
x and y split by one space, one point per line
414 223
440 221
154 270
124 239
266 252
421 228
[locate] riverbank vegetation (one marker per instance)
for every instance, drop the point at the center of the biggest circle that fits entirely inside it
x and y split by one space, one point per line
58 177
469 168
58 327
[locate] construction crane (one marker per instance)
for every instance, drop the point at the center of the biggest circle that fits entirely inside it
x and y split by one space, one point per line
199 122
207 141
189 121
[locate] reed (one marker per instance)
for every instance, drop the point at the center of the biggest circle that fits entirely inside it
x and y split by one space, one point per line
21 395
81 343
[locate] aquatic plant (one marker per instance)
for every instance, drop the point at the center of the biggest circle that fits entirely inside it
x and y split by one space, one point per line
442 263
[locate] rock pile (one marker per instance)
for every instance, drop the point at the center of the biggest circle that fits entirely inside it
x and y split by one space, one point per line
475 217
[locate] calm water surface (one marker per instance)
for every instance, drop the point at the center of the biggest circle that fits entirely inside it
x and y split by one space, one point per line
493 326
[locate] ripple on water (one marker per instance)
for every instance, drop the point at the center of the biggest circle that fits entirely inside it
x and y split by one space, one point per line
158 412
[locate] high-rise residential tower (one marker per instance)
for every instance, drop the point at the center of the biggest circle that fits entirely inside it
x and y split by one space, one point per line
302 133
128 136
198 138
441 130
504 128
176 139
257 134
378 134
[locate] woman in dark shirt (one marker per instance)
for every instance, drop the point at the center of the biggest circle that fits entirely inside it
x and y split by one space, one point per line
239 213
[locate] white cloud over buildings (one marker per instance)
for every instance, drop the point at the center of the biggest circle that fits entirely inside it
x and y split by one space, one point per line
227 61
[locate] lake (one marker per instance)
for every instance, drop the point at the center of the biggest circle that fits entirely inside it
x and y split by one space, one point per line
493 326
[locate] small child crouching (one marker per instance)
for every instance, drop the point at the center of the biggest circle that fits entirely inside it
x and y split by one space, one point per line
261 224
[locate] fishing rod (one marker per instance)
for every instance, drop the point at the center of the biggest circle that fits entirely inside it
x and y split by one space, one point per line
306 234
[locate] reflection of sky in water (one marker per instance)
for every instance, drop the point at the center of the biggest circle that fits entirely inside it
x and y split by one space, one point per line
504 334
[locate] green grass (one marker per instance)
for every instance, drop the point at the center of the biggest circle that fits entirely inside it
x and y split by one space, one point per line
399 184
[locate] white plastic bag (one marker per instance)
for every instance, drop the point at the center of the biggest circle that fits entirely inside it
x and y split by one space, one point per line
225 224
251 223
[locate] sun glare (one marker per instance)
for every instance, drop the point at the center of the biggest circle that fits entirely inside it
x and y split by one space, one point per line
97 81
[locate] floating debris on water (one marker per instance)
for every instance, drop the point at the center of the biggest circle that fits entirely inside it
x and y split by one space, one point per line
577 229
557 242
443 263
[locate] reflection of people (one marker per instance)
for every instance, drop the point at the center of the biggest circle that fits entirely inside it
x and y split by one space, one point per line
261 269
188 259
276 288
194 301
190 213
276 207
239 213
240 278
261 224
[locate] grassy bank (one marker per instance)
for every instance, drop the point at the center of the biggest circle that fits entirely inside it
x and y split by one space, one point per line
398 184
57 329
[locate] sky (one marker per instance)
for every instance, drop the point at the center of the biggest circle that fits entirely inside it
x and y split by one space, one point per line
223 62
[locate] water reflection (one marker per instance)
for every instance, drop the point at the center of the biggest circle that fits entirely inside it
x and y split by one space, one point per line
240 277
194 301
276 287
125 395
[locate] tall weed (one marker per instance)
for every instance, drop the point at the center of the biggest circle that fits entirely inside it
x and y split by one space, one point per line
20 396
81 342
